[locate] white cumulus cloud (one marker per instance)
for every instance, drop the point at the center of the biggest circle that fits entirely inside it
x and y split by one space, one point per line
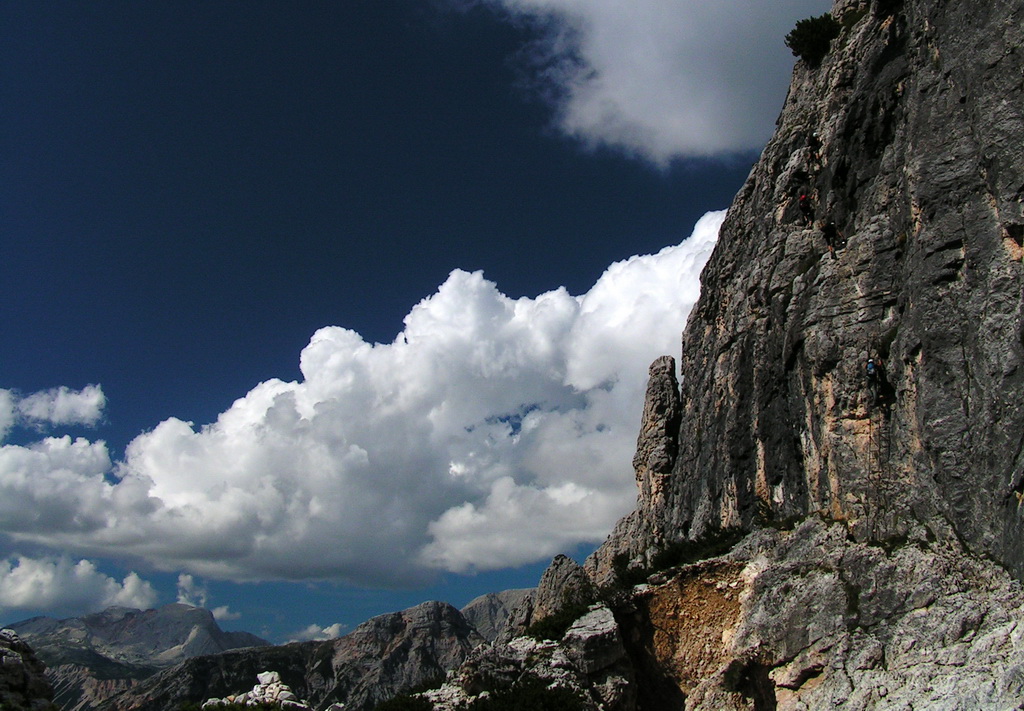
56 406
60 584
318 633
8 412
64 406
191 592
664 78
491 432
222 613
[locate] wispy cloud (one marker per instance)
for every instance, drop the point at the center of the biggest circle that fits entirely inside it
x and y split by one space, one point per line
191 592
222 613
491 432
316 632
663 78
56 406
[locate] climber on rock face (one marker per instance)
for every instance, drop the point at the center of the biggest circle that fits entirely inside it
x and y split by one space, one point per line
871 370
806 209
833 237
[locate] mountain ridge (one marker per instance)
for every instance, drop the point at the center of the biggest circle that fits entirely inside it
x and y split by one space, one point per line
96 655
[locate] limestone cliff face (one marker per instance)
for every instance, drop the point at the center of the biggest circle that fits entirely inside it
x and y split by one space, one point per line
908 137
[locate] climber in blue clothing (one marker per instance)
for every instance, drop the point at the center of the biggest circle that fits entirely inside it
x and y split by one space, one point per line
871 370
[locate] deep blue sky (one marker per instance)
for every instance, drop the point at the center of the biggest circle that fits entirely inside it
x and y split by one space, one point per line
188 190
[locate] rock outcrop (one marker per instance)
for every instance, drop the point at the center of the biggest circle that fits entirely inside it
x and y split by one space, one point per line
23 683
490 613
564 584
907 136
382 657
588 663
269 689
808 619
638 536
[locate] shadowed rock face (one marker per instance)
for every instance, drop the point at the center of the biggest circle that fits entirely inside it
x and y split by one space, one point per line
23 684
866 590
908 137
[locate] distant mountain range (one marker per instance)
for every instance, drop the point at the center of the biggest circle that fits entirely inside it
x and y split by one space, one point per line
121 652
92 657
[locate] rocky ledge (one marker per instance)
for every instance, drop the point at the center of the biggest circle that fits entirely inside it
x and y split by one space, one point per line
804 618
23 684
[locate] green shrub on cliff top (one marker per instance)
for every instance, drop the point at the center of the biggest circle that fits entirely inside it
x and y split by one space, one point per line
812 37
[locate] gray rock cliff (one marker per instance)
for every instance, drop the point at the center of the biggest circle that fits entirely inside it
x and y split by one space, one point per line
489 614
564 584
908 137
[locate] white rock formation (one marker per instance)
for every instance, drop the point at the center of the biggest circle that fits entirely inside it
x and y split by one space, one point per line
269 689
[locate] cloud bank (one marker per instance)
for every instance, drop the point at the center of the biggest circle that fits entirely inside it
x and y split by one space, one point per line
59 584
491 432
663 79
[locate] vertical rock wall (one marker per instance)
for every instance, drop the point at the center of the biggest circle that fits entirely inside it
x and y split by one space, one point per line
909 137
